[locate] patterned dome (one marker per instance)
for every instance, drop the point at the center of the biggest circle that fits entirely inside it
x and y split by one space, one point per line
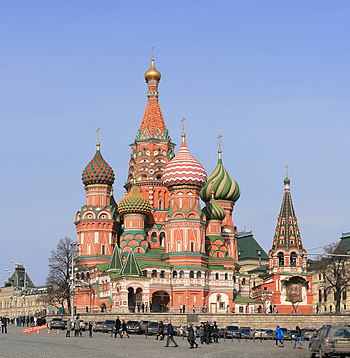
221 183
184 169
134 203
213 211
98 171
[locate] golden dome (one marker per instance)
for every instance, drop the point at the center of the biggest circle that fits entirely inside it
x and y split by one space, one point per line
152 73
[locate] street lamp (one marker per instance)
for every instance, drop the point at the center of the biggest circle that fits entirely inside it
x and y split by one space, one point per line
73 270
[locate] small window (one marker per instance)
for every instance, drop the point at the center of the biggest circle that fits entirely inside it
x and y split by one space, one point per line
243 281
192 246
191 274
199 274
226 276
162 274
144 273
103 249
154 273
216 276
280 256
174 274
182 274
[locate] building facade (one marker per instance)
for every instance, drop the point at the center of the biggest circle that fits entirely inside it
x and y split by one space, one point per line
157 249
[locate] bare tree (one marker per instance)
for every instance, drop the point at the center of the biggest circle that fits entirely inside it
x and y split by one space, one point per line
59 273
336 270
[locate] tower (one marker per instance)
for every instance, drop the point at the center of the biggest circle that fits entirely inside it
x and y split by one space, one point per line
151 151
96 223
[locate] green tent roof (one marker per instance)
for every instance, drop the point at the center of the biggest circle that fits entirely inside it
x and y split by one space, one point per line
131 266
115 262
248 248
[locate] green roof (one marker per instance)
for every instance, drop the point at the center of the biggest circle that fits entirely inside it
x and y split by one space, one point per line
115 263
241 299
150 263
248 247
131 266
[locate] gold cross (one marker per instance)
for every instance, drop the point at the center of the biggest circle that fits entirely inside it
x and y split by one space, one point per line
152 49
98 134
219 141
183 125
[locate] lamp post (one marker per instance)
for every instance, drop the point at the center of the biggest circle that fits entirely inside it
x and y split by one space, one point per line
74 245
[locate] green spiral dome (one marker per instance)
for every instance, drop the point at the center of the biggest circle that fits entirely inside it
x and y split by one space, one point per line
134 203
221 183
213 211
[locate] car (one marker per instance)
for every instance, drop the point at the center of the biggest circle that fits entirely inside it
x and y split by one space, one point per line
232 332
57 323
133 327
143 325
98 326
108 325
258 333
152 328
270 334
307 333
331 341
245 332
290 334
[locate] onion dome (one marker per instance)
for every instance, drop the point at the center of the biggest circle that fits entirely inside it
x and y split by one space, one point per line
221 183
184 168
152 73
214 211
134 203
98 170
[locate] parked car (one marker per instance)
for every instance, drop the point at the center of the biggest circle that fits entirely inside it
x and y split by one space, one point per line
108 325
245 332
143 325
152 328
258 333
290 334
232 332
330 341
133 327
57 323
270 334
98 326
307 333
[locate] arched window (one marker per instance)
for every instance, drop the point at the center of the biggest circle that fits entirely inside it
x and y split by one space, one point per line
234 279
82 276
218 298
191 274
174 274
162 239
160 204
243 281
154 273
199 274
88 275
182 274
162 274
216 276
144 273
280 256
319 295
154 237
293 259
226 276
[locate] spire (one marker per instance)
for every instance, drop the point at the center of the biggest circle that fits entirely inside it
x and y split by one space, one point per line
115 262
131 267
219 147
183 135
152 125
287 234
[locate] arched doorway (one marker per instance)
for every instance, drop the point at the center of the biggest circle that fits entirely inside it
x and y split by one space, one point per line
131 299
138 299
160 301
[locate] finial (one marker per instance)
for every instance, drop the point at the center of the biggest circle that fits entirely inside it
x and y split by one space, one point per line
98 138
286 180
183 135
219 145
287 166
152 49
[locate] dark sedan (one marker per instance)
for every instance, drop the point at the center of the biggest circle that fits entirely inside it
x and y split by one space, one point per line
133 327
233 332
57 323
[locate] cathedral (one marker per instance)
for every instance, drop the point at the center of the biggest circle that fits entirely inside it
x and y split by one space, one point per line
157 250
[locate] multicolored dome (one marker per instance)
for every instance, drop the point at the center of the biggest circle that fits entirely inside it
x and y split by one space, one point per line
134 203
184 168
98 170
221 183
214 211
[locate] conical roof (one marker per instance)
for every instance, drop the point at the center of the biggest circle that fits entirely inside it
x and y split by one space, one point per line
184 169
134 203
115 262
98 170
287 234
131 267
221 183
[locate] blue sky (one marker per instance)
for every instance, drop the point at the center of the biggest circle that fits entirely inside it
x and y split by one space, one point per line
271 76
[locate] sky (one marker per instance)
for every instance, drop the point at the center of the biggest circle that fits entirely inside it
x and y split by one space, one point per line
271 76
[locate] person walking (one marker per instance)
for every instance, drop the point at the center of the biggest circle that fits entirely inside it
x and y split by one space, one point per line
191 338
69 328
201 332
297 338
90 329
160 332
117 328
170 333
279 337
76 327
124 329
215 332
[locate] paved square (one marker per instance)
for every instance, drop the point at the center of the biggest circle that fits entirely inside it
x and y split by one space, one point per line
102 345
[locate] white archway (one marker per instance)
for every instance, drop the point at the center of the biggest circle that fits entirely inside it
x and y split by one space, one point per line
218 302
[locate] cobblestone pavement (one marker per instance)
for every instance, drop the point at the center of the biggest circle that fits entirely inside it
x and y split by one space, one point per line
15 344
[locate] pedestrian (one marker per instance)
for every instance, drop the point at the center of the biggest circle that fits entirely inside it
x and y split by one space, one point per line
170 333
297 338
124 329
191 336
69 328
160 331
76 327
206 332
201 332
215 332
279 337
117 328
90 329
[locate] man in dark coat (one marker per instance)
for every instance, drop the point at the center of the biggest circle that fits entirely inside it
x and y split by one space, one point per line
117 328
170 333
160 332
191 336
